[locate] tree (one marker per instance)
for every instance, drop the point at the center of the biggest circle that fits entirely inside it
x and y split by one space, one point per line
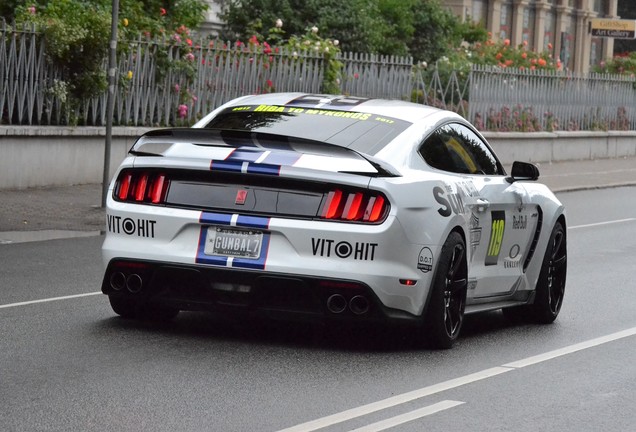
421 28
436 31
77 34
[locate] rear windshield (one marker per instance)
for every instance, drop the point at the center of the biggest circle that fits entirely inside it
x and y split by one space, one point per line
362 132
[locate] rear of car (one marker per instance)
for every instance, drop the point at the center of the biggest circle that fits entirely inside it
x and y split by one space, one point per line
253 214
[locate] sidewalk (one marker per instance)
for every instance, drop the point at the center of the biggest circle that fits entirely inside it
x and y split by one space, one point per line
68 211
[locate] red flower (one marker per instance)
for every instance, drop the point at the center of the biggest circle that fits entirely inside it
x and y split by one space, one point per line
189 42
162 11
270 83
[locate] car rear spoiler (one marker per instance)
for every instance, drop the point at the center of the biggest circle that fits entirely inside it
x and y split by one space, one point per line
157 142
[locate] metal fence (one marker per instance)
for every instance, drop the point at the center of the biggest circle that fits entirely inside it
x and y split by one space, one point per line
525 100
162 84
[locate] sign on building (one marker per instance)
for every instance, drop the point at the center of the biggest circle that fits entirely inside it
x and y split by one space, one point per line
613 28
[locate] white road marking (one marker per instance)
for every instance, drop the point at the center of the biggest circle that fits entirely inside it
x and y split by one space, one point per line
410 416
395 400
571 349
603 223
48 300
454 383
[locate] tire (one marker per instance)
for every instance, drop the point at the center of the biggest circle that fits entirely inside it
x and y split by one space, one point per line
550 288
445 314
132 309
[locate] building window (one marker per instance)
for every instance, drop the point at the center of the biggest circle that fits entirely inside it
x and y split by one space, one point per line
505 24
480 12
550 29
598 6
528 25
595 51
567 44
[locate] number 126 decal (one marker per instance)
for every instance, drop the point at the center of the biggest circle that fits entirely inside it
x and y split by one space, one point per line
496 237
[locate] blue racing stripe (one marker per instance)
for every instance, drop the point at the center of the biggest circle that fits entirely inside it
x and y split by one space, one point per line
254 168
237 166
253 222
215 218
227 165
226 219
212 260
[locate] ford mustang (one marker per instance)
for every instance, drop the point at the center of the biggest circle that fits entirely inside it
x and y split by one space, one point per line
331 209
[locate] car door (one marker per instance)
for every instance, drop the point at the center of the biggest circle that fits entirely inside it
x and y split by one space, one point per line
502 221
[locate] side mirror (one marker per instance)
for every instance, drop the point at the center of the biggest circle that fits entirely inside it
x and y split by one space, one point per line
523 171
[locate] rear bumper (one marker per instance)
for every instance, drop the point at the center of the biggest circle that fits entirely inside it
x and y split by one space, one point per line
260 294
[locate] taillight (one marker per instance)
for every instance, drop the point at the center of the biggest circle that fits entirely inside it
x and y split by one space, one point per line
354 206
141 186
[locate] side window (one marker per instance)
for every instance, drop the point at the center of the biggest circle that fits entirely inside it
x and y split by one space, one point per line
456 148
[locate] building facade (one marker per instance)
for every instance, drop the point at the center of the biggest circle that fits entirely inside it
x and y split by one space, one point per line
212 24
558 26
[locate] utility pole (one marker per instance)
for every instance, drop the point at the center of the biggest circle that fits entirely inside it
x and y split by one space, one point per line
110 102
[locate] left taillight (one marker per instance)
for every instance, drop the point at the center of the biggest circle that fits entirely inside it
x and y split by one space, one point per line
141 187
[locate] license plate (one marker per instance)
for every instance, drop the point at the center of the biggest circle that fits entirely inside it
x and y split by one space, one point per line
233 242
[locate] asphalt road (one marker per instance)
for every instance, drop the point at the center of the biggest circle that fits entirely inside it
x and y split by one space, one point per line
70 364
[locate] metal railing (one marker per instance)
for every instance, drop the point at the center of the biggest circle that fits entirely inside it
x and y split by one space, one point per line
164 84
525 100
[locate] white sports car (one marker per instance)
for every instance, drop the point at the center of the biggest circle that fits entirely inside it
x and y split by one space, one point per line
332 209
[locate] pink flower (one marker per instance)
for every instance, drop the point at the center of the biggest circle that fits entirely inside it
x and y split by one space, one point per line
189 57
183 110
163 11
177 88
31 10
189 42
356 76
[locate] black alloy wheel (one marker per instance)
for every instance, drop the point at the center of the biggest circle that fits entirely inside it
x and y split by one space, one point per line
551 283
445 314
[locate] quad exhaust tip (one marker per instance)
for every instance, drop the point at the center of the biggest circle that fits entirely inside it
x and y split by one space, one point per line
336 303
118 281
359 305
134 283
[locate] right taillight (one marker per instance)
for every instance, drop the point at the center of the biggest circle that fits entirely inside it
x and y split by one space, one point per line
141 187
354 206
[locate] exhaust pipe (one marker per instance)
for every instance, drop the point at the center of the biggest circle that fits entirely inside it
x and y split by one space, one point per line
359 305
134 283
336 303
117 281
